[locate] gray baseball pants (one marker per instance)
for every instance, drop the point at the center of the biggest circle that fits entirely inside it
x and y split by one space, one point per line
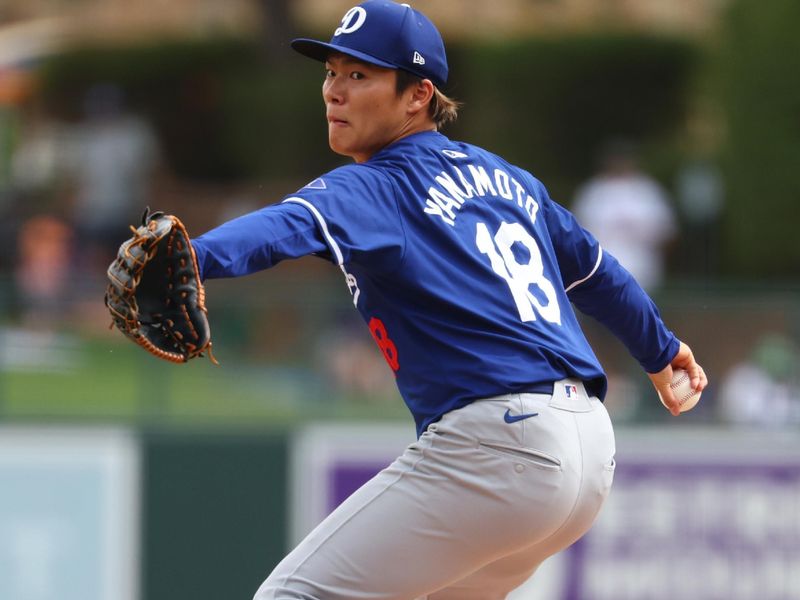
469 511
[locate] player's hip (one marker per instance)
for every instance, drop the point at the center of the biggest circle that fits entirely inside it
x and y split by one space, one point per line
563 429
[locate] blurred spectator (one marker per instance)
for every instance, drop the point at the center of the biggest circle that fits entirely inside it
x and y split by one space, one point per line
762 390
43 270
39 160
37 209
113 165
628 212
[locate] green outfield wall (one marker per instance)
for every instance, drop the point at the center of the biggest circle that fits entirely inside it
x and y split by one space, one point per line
214 513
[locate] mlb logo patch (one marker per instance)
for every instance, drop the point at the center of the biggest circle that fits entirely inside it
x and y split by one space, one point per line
571 390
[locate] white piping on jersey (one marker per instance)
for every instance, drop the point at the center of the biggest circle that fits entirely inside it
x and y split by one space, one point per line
596 266
323 225
352 284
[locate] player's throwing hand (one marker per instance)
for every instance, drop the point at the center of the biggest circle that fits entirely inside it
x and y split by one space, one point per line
684 359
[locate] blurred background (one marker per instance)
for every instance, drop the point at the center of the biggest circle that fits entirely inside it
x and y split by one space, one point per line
670 127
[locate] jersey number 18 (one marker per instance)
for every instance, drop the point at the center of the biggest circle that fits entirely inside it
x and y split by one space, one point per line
520 277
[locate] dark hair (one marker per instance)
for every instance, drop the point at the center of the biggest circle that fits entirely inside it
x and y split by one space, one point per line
442 109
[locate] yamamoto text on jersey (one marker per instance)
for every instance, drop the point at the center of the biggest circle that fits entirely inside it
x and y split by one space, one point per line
449 197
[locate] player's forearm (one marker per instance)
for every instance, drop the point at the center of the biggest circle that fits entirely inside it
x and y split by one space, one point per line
615 299
257 241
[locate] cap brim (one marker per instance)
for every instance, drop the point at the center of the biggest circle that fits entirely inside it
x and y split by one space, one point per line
320 51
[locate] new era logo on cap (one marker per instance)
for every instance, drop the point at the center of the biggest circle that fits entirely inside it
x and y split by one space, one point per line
386 34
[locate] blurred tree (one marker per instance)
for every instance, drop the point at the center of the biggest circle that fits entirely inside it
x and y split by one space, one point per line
551 103
223 116
759 91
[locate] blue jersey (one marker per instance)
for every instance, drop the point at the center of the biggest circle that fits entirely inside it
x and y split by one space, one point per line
463 268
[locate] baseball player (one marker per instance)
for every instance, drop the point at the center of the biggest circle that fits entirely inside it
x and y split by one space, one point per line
464 270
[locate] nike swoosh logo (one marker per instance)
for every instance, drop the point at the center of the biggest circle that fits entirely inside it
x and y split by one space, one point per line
509 418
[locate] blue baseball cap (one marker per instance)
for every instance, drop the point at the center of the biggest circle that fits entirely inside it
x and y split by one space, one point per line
387 34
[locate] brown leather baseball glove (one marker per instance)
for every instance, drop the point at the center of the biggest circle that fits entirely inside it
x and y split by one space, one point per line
155 294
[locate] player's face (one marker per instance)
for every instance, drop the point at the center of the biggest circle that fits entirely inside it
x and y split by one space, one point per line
363 109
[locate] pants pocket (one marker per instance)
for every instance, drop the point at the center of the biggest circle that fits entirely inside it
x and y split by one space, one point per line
537 458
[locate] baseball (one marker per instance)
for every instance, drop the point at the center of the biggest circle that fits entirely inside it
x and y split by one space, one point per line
681 386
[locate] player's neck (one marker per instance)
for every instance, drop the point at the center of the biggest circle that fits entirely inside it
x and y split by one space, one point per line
408 129
419 128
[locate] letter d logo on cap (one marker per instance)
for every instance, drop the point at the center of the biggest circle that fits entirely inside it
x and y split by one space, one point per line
353 19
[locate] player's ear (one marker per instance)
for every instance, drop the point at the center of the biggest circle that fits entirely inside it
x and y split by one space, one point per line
421 95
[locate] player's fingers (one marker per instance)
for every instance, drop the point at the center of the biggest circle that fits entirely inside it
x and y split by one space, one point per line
673 405
684 359
699 379
697 376
661 381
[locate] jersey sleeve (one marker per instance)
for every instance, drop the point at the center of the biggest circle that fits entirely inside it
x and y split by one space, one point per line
577 251
600 287
355 208
613 297
258 241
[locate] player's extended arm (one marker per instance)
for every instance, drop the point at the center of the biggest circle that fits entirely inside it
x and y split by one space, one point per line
684 359
613 297
257 241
